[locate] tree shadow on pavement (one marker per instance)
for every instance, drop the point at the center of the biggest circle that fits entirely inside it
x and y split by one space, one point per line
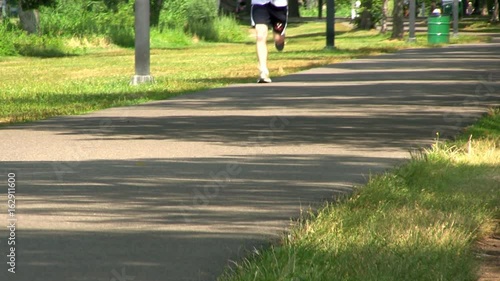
165 219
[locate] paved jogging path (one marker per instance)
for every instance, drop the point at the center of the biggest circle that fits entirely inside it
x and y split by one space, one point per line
174 190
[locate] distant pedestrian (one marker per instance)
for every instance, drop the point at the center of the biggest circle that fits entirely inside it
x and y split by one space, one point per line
435 11
267 13
470 9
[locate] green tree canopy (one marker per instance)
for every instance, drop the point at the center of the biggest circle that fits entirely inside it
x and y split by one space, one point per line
35 4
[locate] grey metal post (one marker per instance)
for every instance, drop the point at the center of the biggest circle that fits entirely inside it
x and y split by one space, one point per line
142 46
330 24
411 37
455 18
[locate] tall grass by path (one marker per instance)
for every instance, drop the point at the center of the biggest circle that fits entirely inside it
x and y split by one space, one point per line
485 127
419 222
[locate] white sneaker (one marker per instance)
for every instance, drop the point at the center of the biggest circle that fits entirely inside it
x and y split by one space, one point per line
264 77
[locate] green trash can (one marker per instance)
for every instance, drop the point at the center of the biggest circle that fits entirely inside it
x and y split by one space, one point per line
438 30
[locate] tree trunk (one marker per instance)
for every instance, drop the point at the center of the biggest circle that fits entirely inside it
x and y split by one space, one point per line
29 19
156 6
365 20
397 20
293 8
383 28
366 17
494 18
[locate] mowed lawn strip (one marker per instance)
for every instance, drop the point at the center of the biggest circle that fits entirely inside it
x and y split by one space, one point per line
38 88
421 221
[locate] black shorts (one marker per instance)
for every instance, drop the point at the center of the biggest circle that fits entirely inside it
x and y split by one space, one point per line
271 15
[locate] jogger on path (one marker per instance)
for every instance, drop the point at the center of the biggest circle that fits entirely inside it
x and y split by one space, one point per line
267 13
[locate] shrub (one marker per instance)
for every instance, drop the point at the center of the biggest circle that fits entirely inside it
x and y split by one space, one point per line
74 18
7 37
173 15
228 30
39 46
169 38
201 11
80 18
114 20
16 42
201 15
120 26
199 18
122 36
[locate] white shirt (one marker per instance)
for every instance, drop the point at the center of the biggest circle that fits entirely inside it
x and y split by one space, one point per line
277 3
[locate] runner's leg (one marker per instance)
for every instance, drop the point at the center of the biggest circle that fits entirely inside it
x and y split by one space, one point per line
261 34
279 21
260 20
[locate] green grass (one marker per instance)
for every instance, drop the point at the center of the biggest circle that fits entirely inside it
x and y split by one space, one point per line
97 75
485 127
419 222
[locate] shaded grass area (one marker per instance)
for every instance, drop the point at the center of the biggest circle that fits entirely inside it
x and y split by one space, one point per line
38 88
479 25
419 222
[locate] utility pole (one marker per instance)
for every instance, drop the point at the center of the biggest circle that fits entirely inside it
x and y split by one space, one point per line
411 37
330 24
142 46
455 18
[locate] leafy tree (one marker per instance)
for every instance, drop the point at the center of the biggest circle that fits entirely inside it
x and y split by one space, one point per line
35 4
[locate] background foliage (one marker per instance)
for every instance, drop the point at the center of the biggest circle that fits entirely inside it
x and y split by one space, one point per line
175 23
178 23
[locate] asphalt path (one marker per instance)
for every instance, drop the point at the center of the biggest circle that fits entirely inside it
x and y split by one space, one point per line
176 190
